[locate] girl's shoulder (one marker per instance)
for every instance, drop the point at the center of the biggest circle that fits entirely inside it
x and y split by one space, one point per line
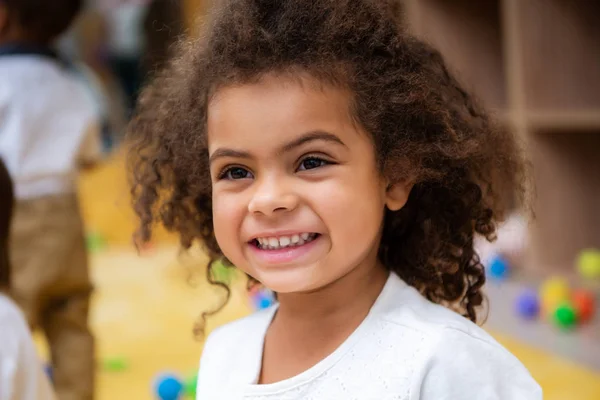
237 344
254 325
455 356
401 304
433 325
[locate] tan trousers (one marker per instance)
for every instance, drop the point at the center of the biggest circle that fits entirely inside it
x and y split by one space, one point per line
50 281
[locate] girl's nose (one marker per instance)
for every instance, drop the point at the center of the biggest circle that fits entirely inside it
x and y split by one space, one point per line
272 197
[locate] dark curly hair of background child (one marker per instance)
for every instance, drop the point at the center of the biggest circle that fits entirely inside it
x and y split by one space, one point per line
45 20
426 130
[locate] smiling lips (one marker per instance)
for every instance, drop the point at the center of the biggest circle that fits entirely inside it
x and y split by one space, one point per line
283 242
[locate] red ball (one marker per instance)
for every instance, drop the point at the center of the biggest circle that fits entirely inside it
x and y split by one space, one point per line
584 303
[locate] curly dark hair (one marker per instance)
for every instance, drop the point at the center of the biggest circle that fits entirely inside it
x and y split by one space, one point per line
7 200
466 169
42 20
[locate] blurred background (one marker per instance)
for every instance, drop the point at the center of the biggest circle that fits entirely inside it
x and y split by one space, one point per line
534 63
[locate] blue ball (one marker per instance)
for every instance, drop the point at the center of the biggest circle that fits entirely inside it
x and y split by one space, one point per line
263 299
264 302
169 387
528 305
49 372
498 268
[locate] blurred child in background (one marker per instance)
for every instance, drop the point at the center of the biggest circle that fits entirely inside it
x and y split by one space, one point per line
21 375
87 42
48 131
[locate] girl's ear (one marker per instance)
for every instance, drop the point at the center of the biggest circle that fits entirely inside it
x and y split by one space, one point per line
396 195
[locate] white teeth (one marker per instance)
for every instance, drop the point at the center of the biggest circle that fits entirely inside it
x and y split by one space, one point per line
273 243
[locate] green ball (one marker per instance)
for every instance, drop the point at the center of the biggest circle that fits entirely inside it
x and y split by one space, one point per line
222 273
190 385
565 316
95 242
116 364
588 264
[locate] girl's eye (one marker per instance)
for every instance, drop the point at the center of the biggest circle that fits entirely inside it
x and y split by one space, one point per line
235 173
312 163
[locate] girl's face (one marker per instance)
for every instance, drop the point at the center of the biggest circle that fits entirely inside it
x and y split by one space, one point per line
298 201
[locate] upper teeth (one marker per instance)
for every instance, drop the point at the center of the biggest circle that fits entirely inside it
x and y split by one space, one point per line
285 241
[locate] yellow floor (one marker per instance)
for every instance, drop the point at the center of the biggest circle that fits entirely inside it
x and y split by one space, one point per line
145 306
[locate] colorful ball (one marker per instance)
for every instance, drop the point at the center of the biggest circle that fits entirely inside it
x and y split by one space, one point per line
565 316
168 387
553 292
498 268
584 303
95 242
528 305
190 385
49 372
263 299
115 364
222 273
588 264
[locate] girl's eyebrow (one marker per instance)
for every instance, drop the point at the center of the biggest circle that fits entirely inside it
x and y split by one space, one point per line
305 138
309 137
227 153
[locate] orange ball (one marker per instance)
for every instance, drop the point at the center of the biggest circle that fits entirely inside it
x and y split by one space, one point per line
584 303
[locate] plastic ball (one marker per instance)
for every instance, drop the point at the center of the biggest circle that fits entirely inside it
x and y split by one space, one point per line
528 305
115 364
553 292
190 385
49 372
588 264
95 242
222 273
169 387
263 299
565 316
584 304
498 268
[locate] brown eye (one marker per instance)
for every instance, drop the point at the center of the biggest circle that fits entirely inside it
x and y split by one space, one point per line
236 173
312 163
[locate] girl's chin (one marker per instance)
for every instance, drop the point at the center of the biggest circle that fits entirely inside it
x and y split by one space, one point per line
290 281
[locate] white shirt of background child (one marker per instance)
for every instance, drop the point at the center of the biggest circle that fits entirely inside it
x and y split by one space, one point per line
48 125
406 348
21 374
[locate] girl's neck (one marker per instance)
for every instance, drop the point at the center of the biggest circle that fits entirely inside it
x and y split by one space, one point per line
343 300
310 326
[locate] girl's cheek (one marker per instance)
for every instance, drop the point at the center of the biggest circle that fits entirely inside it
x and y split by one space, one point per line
228 213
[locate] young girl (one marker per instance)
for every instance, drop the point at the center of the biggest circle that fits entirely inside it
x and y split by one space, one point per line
333 158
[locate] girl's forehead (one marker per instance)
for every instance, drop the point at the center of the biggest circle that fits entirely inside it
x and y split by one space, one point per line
299 85
274 108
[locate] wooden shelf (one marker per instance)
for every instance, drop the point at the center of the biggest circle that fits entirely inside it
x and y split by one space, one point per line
536 65
567 172
560 51
468 33
582 120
